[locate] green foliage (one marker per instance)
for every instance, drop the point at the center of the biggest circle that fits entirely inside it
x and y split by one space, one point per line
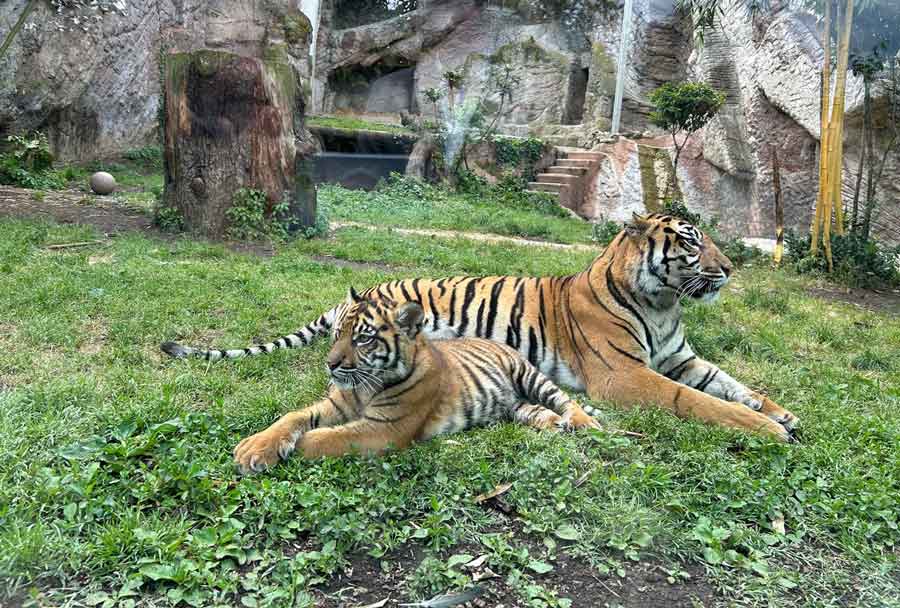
684 106
168 219
604 231
433 94
148 156
454 79
514 151
251 217
858 262
355 124
27 163
504 208
353 13
118 485
319 229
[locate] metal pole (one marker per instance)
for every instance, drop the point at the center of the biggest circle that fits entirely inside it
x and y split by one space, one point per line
620 67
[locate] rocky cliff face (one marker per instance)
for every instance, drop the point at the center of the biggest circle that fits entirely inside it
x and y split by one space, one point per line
96 91
93 86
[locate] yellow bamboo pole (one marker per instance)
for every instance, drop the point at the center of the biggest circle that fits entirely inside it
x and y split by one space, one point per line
779 209
837 118
823 131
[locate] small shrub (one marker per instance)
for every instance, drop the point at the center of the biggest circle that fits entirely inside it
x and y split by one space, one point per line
249 219
27 163
858 262
247 216
168 219
320 228
604 231
512 151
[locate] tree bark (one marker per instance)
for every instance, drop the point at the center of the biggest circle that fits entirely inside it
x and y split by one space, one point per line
233 122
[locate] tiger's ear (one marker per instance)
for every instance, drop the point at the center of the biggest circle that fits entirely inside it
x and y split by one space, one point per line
353 297
637 227
409 318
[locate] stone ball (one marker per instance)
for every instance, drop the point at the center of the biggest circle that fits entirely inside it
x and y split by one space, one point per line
102 182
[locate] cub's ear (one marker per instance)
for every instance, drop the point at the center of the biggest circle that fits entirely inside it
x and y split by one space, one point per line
409 318
637 227
353 297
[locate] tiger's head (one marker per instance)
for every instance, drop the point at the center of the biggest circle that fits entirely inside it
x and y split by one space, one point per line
678 260
376 343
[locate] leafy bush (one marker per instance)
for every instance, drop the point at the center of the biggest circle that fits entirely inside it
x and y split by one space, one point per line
250 218
512 151
148 155
604 231
857 261
168 219
27 163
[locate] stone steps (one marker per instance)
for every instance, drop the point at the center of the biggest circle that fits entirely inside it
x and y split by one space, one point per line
549 187
575 162
557 178
565 180
577 171
585 155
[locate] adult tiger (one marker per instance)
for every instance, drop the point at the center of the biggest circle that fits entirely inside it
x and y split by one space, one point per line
392 386
613 330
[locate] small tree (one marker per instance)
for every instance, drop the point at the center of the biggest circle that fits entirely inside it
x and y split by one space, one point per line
434 95
454 81
683 106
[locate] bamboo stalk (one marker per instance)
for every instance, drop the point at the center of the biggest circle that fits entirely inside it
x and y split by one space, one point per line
779 209
823 131
837 118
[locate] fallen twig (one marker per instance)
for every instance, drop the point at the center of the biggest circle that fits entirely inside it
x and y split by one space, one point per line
70 245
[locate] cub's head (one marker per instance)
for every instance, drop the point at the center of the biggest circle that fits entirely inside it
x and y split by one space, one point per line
677 258
376 342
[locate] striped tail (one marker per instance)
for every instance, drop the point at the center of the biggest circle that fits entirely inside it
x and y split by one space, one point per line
302 337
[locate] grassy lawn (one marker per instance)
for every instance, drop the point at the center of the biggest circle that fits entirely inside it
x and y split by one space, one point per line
117 489
356 124
407 203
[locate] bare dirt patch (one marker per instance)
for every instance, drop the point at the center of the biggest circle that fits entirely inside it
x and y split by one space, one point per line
102 213
367 580
874 300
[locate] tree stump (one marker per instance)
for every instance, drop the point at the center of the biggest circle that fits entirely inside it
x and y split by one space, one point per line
231 122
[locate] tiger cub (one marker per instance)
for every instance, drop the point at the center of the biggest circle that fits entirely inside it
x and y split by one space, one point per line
392 386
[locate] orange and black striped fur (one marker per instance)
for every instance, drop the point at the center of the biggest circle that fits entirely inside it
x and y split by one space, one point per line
392 386
613 330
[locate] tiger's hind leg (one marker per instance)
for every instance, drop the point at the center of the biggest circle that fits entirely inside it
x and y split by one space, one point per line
534 387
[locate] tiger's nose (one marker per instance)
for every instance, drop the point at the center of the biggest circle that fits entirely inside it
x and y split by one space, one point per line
726 269
334 363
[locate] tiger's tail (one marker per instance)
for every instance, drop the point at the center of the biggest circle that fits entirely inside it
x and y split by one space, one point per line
301 337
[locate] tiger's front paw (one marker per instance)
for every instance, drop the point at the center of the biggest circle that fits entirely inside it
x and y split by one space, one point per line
576 418
264 449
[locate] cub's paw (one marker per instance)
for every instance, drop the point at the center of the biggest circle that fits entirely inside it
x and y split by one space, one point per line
576 418
258 452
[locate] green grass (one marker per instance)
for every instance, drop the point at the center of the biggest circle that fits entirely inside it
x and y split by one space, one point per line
117 489
355 124
408 203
